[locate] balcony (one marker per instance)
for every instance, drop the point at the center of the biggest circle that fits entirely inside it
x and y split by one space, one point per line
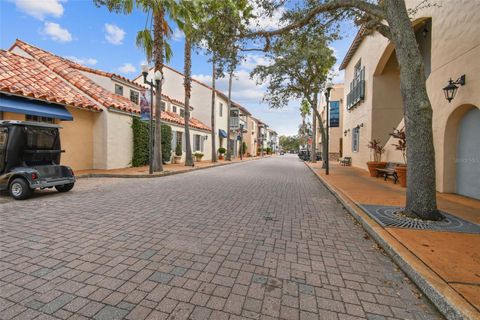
357 91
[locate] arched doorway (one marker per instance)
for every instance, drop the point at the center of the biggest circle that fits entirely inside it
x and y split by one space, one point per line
468 155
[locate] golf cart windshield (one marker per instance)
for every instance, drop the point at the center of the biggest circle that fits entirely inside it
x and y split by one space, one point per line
42 146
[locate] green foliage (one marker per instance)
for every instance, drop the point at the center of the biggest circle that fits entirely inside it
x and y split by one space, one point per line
178 150
141 139
244 147
269 150
290 142
222 150
166 142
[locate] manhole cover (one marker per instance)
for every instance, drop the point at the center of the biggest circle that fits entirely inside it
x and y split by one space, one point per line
387 217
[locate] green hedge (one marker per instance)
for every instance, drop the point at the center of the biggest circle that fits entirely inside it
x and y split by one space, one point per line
140 142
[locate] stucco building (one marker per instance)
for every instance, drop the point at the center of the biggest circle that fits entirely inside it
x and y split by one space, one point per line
98 106
449 43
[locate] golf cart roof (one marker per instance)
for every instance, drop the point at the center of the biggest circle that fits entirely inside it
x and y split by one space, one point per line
5 123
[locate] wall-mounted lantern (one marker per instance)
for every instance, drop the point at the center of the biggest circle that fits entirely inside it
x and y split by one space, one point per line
451 89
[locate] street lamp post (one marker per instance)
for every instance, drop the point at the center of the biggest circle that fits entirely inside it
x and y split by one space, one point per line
157 77
261 147
328 88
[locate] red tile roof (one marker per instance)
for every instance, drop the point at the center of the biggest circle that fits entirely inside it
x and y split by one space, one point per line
27 77
70 71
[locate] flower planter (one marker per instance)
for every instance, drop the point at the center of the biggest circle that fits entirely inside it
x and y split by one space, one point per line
220 156
373 165
177 159
198 159
402 175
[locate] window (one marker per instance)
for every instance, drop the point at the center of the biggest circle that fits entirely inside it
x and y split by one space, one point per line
197 142
357 86
39 119
163 106
355 139
179 140
119 89
134 96
3 143
182 112
1 115
174 109
220 110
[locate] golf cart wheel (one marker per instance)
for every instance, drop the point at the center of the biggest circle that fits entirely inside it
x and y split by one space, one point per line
19 189
65 187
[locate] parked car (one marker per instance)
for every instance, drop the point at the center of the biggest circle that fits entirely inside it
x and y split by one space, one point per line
282 152
304 154
30 159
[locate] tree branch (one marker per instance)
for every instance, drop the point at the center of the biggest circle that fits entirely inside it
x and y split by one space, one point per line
361 5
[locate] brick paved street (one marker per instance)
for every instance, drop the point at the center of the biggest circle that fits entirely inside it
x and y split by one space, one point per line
256 240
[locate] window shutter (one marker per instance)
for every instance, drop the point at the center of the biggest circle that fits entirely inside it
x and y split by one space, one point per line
183 141
202 142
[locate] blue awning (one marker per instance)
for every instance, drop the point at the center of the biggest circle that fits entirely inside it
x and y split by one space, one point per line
34 108
222 133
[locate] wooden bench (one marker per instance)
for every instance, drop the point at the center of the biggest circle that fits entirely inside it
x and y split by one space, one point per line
347 161
388 171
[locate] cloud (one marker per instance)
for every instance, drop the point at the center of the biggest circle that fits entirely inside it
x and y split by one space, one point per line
177 34
114 34
127 68
56 32
83 61
40 9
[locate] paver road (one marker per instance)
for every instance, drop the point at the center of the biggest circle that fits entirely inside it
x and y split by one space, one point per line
256 240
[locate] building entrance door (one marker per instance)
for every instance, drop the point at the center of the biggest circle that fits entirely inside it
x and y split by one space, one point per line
468 155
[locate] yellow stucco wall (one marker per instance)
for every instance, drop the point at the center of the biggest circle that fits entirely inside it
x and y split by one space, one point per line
455 51
77 139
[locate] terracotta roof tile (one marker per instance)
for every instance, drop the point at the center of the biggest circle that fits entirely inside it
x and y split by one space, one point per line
70 71
27 77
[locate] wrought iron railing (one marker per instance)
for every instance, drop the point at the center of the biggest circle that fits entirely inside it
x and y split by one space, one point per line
357 91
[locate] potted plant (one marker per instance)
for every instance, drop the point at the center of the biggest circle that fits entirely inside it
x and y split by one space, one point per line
259 150
221 153
401 145
377 150
198 156
178 154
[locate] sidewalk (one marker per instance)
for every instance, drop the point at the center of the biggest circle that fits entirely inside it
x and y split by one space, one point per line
445 265
168 169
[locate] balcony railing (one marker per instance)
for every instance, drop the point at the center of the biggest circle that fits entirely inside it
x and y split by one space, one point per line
357 91
235 123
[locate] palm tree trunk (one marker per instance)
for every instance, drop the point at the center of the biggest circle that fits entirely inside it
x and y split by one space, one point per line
214 92
323 131
229 154
188 89
158 56
421 185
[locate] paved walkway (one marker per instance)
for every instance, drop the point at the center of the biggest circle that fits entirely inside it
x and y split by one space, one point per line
255 240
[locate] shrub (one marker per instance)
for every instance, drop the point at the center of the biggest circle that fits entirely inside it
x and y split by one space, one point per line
269 150
377 149
244 147
141 139
178 150
222 150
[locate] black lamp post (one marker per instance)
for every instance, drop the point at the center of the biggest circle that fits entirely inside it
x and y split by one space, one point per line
328 88
261 147
157 77
451 89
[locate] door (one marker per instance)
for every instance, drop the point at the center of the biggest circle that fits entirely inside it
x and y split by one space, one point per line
468 155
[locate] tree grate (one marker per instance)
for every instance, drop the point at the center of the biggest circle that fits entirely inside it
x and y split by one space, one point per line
388 216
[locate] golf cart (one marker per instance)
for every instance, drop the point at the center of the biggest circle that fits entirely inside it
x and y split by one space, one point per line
30 159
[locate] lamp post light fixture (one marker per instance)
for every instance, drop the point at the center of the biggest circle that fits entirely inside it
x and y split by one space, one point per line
157 77
328 88
451 89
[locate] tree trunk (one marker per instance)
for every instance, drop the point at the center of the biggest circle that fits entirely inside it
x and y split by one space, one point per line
158 56
313 156
323 132
188 89
214 151
229 154
421 186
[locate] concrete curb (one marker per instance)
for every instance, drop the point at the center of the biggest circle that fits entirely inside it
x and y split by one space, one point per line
157 175
435 294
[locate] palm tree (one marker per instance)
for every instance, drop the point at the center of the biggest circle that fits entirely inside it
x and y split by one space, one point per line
155 47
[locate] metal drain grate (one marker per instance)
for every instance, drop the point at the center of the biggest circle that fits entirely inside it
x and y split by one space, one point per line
388 217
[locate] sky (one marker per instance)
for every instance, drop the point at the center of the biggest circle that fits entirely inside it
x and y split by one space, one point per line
95 37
